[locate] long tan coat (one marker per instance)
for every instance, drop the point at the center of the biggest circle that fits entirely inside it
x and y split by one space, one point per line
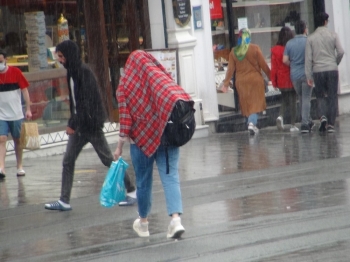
249 80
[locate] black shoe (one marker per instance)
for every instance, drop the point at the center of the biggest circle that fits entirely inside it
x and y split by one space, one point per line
323 124
311 125
128 201
330 129
58 206
2 175
305 129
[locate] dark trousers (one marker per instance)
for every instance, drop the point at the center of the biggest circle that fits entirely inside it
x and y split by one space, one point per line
75 144
289 101
326 91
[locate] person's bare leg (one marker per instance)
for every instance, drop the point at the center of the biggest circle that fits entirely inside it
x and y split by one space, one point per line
3 140
18 152
174 215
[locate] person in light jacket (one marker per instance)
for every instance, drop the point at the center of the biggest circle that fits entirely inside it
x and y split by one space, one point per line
323 53
294 57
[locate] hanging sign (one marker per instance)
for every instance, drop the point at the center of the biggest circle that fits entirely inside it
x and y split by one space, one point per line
182 11
215 9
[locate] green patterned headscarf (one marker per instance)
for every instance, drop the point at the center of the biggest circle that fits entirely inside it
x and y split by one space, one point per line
242 43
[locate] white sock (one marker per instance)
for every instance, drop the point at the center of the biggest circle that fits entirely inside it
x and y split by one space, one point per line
63 204
132 194
175 220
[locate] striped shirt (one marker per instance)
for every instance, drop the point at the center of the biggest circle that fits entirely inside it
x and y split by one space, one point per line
11 83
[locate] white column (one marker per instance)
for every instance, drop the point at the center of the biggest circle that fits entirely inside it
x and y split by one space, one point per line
339 21
181 38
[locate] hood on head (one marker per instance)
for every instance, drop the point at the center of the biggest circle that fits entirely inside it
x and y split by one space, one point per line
70 51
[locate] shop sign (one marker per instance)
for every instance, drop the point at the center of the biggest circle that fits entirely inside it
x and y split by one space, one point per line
215 9
182 11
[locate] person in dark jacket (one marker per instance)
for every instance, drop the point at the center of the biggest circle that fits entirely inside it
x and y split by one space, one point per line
86 122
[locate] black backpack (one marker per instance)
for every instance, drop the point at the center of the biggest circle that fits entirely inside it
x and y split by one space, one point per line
180 127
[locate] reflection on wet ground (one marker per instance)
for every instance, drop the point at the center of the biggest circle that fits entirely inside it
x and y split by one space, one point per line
220 154
338 252
226 179
91 239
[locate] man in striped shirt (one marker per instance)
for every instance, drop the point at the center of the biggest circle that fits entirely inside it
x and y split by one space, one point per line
12 85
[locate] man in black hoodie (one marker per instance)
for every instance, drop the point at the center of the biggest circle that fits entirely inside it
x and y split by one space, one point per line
86 121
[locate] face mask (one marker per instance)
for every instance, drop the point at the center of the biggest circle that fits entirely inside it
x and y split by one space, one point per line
2 66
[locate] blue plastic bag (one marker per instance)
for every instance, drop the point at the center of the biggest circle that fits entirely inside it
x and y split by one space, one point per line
113 189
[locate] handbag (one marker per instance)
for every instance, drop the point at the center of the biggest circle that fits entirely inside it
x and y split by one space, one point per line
113 189
30 138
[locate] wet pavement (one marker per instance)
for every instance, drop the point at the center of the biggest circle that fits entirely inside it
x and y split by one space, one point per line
276 196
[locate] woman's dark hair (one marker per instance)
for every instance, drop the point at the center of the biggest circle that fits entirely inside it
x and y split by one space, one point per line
321 18
300 27
284 36
3 52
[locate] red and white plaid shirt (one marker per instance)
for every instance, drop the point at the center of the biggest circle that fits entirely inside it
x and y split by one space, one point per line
146 96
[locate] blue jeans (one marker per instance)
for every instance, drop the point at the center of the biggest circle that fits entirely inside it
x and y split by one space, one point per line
304 92
143 167
253 118
13 127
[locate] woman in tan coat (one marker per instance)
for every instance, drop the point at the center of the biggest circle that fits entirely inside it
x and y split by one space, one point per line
246 61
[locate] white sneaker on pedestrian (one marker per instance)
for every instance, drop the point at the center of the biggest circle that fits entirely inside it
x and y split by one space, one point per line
279 123
141 228
294 129
252 129
175 229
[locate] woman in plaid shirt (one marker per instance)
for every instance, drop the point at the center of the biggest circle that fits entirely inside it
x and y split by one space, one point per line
146 96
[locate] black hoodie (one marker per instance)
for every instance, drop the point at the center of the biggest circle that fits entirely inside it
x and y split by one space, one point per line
89 114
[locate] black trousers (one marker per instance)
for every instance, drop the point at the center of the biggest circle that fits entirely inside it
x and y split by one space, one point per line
75 144
326 91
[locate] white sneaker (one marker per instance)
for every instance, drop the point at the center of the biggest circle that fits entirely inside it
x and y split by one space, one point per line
294 129
175 229
252 129
141 228
279 123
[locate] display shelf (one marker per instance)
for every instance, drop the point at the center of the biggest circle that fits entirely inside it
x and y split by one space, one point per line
219 32
265 29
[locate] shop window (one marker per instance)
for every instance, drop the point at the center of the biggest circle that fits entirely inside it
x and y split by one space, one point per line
263 18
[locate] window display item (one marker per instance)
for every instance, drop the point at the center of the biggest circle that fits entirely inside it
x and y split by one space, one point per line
62 29
36 49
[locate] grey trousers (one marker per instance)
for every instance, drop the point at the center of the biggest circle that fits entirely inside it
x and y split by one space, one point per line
75 144
304 92
326 91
